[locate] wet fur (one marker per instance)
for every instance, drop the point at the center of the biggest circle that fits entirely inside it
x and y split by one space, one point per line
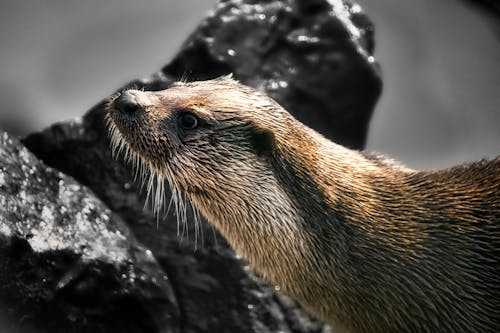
361 241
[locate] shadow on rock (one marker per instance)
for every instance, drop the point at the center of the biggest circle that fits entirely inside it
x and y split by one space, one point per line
67 263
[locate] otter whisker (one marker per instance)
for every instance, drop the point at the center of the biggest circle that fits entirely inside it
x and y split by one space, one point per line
144 172
178 207
182 216
170 203
159 195
185 76
161 203
148 185
153 182
136 167
121 147
180 212
117 142
176 212
198 230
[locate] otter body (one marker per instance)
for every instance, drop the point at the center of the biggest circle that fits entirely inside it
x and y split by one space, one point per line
360 241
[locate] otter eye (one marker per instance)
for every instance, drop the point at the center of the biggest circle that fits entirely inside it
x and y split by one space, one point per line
189 121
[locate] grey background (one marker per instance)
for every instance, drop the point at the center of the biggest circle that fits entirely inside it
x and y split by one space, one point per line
439 59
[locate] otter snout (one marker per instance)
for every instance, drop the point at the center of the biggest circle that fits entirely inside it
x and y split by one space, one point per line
127 104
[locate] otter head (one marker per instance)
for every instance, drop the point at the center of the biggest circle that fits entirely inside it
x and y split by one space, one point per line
211 140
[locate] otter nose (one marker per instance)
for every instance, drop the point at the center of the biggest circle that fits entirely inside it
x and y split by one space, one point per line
126 104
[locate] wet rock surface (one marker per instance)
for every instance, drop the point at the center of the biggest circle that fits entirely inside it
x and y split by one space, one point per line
313 57
67 263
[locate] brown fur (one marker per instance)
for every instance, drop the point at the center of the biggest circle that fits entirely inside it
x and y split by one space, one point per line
362 242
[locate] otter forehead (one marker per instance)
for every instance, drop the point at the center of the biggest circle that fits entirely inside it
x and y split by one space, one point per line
221 94
217 100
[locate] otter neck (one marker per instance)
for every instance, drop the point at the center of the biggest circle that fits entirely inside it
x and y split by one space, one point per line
289 204
254 224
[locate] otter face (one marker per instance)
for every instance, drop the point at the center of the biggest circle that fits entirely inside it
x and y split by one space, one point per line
199 136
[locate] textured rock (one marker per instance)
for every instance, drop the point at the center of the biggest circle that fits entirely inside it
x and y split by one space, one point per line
315 58
67 263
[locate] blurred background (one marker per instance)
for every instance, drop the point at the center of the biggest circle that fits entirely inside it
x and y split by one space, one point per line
440 63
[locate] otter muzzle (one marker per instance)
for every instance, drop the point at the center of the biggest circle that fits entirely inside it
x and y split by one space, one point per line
126 104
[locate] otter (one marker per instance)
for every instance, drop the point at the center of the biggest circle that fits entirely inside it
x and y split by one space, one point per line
360 241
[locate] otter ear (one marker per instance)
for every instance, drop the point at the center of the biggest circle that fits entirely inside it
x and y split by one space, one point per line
262 140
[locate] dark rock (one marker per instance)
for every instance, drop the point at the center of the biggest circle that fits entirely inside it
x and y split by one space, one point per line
67 263
489 6
315 58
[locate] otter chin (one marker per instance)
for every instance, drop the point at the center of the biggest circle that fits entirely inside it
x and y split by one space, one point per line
359 240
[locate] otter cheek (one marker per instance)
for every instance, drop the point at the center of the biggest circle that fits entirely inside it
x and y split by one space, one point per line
262 141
